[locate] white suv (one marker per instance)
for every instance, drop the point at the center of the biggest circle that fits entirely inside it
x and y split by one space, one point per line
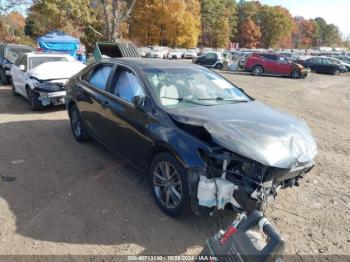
40 77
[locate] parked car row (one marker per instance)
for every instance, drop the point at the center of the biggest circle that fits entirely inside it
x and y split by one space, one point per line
164 52
278 64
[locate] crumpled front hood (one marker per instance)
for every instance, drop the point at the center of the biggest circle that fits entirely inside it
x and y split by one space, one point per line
255 131
56 70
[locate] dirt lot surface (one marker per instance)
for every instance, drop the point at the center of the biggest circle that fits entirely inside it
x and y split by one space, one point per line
58 196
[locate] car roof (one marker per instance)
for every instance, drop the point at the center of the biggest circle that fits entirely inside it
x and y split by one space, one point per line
153 63
16 45
46 54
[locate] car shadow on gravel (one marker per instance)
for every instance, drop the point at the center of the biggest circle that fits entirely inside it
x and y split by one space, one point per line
63 191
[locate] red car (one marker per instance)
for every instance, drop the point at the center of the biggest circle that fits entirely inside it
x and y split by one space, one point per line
274 64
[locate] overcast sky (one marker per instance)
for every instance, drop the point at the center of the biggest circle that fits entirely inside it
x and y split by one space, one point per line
333 11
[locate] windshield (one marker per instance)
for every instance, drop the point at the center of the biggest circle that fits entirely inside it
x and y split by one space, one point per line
183 87
35 61
14 52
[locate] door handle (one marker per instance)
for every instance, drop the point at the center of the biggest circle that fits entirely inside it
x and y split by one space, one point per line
105 104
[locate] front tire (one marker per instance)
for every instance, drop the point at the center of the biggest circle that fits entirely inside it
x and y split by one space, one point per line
169 185
33 100
295 74
13 89
77 125
336 72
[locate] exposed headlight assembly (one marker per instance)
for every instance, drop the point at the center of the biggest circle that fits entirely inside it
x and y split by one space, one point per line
48 87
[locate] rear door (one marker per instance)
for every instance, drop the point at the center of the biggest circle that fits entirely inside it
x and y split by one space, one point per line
91 95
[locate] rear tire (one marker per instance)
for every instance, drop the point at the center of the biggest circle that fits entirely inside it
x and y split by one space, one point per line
33 100
3 77
258 70
77 125
219 66
169 185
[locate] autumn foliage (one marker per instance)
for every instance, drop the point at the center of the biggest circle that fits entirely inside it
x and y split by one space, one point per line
176 23
250 34
172 22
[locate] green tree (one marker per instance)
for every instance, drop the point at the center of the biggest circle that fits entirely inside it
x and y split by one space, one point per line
246 18
332 36
218 22
275 22
326 34
321 25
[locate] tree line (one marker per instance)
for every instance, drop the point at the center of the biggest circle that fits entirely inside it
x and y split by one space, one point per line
176 23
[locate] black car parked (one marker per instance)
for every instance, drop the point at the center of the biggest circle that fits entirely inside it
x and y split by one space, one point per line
211 59
203 142
323 65
8 55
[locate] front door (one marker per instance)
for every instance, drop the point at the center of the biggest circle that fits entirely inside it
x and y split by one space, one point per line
20 77
283 66
125 127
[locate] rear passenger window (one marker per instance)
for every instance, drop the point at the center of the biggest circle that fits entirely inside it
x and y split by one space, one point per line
270 57
100 75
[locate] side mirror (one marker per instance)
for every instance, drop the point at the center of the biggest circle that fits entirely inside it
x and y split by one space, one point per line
22 68
139 102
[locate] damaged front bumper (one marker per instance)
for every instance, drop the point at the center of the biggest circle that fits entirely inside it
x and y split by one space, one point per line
238 182
51 92
53 98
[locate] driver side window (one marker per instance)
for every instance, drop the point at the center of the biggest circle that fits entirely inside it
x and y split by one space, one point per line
125 84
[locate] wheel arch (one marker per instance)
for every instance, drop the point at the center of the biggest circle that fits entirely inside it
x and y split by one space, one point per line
256 66
193 161
69 106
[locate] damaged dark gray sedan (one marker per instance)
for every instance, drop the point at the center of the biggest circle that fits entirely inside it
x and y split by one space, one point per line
204 142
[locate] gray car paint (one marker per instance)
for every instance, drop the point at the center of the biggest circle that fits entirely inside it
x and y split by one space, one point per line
255 131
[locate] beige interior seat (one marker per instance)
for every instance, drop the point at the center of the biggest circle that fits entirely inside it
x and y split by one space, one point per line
168 95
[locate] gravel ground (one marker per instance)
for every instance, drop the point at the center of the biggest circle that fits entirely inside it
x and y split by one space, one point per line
61 197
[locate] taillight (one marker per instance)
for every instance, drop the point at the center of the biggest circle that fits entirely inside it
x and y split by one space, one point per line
228 233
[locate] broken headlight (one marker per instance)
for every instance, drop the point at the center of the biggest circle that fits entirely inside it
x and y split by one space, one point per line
48 87
233 166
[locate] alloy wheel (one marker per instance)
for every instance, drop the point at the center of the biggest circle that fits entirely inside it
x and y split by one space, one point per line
167 184
76 123
258 71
